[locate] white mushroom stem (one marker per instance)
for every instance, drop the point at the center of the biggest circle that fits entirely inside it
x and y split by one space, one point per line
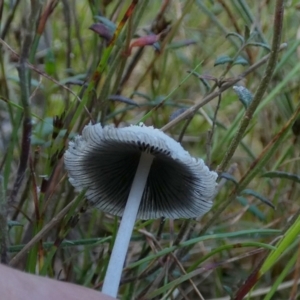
115 266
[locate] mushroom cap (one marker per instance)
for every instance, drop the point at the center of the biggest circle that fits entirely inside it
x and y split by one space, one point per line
103 160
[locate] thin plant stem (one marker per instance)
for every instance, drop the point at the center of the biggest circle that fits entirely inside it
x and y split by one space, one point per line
212 131
278 21
24 76
215 94
115 266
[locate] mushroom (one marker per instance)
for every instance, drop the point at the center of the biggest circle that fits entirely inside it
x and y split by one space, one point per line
137 172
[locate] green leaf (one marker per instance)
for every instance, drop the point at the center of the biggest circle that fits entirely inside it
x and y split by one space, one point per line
244 95
289 266
228 177
236 35
78 79
252 208
123 99
223 59
257 44
241 61
258 196
285 175
282 245
36 141
108 23
205 83
12 223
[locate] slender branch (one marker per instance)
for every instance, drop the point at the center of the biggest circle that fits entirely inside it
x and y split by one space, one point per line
16 259
117 258
215 94
278 20
25 96
211 132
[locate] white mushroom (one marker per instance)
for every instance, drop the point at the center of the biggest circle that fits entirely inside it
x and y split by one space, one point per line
137 172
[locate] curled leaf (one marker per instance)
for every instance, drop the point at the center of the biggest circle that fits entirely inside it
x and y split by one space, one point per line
262 45
12 223
102 31
144 41
77 82
241 61
108 23
228 177
258 196
223 59
280 174
205 83
244 95
236 35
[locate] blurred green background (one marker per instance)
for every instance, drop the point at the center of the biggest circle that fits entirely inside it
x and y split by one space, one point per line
152 61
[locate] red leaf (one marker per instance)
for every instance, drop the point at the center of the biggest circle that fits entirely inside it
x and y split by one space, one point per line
144 41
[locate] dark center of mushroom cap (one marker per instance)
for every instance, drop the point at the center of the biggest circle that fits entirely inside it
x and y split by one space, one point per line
170 188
